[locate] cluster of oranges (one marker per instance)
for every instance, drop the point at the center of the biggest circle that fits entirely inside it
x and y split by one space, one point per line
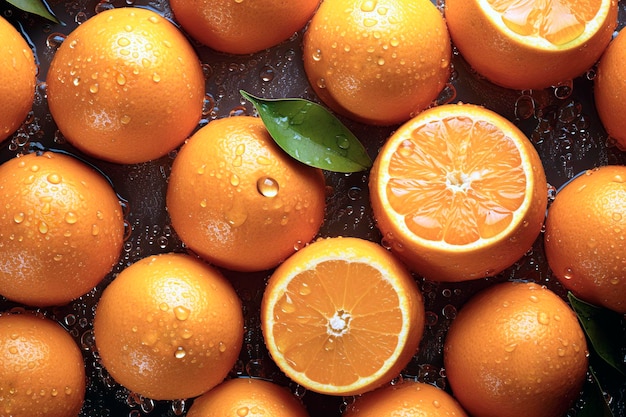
457 193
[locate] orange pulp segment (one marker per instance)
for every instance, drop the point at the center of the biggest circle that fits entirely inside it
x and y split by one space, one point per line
342 316
458 193
558 21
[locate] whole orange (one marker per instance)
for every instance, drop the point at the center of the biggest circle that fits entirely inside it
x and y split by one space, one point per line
238 200
584 237
169 327
531 44
18 74
61 228
247 397
515 349
408 398
458 192
126 86
42 373
377 62
242 26
609 89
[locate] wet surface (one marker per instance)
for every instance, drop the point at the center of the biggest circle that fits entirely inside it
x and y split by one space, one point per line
561 122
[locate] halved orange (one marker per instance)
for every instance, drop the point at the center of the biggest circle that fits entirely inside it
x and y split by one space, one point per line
459 193
342 316
531 44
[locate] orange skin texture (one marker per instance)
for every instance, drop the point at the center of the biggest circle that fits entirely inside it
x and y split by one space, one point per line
242 27
61 229
610 90
18 74
515 65
380 73
247 397
126 96
42 373
408 398
216 207
584 238
515 349
169 327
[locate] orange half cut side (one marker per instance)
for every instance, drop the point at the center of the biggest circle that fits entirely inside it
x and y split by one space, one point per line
342 316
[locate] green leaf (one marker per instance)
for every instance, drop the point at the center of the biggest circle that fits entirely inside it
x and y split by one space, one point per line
603 328
594 403
311 134
38 7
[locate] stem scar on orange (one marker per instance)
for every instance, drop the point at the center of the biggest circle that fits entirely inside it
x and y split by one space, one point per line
342 316
61 228
531 44
459 193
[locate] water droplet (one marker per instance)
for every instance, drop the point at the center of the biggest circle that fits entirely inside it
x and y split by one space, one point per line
267 74
181 313
267 187
221 346
125 119
43 227
163 307
236 216
93 88
180 352
317 55
614 280
534 298
436 404
123 41
243 411
70 217
510 347
368 6
19 217
304 289
543 318
120 79
156 77
342 141
568 274
234 180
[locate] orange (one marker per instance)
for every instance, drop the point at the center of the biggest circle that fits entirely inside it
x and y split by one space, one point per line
377 62
584 238
61 228
169 327
531 44
458 193
18 74
242 26
238 200
126 86
247 397
42 373
515 349
408 398
342 316
609 90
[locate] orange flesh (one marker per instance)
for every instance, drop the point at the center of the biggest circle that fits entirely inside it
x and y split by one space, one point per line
456 180
557 21
334 319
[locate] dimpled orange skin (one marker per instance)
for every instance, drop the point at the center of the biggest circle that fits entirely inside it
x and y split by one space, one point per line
126 86
377 62
242 27
513 64
584 237
247 397
514 350
238 200
408 398
61 229
609 89
42 373
18 74
169 327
